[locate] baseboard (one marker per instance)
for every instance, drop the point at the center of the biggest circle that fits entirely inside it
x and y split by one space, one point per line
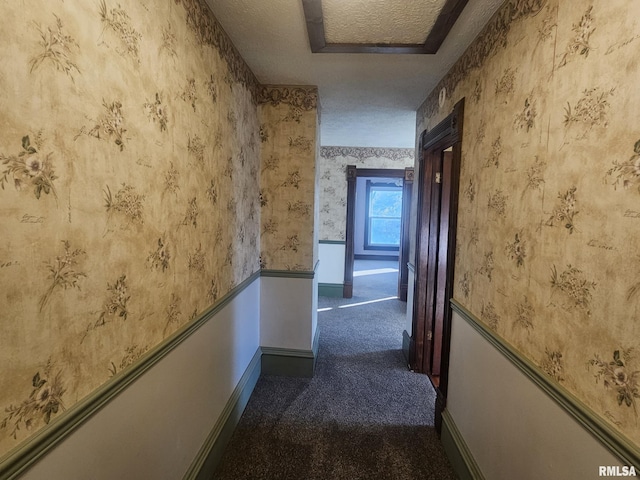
208 458
290 362
330 289
373 256
403 292
457 451
406 346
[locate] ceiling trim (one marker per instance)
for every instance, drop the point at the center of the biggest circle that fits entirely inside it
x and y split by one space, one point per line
318 43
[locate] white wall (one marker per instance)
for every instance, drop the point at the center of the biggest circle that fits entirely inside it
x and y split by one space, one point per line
512 428
408 325
288 310
314 308
331 266
155 427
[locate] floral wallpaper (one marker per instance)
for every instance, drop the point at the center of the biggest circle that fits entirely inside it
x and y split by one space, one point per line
547 252
288 132
332 182
129 175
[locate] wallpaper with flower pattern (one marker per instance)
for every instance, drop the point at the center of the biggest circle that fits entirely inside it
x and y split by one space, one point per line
332 181
288 132
549 214
129 175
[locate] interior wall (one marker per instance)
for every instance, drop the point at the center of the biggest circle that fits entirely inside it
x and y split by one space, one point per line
545 443
331 265
288 131
129 166
293 327
546 253
332 166
170 410
289 119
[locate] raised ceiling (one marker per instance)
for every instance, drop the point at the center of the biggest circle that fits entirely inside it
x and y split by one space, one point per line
367 99
380 26
376 21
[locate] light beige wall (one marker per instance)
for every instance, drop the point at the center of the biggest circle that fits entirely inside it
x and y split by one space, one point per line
332 166
129 166
547 250
288 131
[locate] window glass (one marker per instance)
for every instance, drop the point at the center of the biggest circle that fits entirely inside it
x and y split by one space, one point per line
383 215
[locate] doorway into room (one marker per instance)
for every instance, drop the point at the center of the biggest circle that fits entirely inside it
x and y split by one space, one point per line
378 203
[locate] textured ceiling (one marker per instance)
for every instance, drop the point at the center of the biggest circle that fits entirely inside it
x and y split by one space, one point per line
379 21
368 100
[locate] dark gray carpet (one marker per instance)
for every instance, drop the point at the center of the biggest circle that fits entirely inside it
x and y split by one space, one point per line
364 415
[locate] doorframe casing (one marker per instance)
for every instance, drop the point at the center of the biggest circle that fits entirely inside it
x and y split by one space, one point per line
349 256
403 254
448 133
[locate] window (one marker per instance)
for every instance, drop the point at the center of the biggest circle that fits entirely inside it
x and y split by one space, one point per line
383 216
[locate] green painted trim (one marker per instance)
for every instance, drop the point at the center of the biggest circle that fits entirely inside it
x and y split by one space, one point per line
457 450
18 460
208 458
330 289
617 443
290 362
332 242
308 274
287 274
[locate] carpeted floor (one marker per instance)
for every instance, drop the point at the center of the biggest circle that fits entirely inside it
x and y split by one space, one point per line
363 415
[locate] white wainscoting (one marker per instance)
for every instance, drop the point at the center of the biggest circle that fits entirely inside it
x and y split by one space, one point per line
156 427
289 312
331 263
512 428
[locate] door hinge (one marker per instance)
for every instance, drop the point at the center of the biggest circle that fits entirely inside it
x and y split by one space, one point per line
438 177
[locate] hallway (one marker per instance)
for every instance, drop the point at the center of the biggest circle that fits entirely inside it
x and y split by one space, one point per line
363 415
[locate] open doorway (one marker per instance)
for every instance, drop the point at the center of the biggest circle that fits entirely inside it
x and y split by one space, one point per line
378 203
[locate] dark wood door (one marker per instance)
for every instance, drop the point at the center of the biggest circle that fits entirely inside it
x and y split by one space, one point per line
421 331
441 263
433 212
435 252
403 254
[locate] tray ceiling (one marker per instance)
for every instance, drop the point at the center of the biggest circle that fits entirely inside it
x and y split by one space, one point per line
367 100
380 26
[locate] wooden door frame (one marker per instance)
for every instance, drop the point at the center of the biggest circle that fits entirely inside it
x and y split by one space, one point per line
403 254
349 256
448 133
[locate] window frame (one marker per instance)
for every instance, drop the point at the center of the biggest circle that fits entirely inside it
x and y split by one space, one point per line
368 245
